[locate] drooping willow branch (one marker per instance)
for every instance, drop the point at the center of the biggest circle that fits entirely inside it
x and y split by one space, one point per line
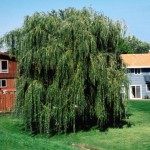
69 74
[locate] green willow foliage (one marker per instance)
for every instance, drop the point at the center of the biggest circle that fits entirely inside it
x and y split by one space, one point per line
70 76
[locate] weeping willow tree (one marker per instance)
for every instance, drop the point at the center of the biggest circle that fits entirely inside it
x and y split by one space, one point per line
69 73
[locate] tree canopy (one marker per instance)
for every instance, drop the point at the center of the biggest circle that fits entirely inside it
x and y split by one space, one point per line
70 75
132 45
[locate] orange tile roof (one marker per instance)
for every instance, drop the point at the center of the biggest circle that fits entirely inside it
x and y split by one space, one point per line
136 60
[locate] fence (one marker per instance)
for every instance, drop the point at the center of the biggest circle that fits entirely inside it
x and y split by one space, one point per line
7 102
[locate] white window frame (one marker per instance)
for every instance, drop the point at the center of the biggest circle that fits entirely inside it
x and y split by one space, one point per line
147 88
140 91
1 80
3 71
138 73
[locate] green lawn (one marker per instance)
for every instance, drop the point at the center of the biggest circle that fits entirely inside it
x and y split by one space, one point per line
134 135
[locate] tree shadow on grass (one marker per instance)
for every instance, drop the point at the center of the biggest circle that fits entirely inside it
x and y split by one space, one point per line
120 124
125 122
90 124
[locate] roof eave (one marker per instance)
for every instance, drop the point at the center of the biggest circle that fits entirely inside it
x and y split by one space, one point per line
137 66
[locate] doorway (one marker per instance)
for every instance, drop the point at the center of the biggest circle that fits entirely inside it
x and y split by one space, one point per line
135 91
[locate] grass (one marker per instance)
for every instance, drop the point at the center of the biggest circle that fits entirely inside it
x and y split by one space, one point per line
134 135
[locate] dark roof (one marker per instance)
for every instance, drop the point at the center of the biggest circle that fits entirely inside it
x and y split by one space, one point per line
7 56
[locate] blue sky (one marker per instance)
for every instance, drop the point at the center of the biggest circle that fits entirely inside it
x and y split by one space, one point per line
134 13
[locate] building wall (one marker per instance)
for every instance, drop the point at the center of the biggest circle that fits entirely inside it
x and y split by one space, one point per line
11 84
7 94
12 70
138 79
10 76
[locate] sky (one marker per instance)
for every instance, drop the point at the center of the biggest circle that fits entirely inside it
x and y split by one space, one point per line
134 13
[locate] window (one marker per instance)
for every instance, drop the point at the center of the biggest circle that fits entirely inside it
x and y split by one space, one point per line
137 71
135 91
4 66
148 87
3 83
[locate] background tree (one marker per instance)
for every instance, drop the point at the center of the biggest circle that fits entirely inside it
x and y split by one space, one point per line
70 77
132 45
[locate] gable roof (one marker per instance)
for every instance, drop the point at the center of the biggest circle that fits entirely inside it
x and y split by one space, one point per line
136 60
